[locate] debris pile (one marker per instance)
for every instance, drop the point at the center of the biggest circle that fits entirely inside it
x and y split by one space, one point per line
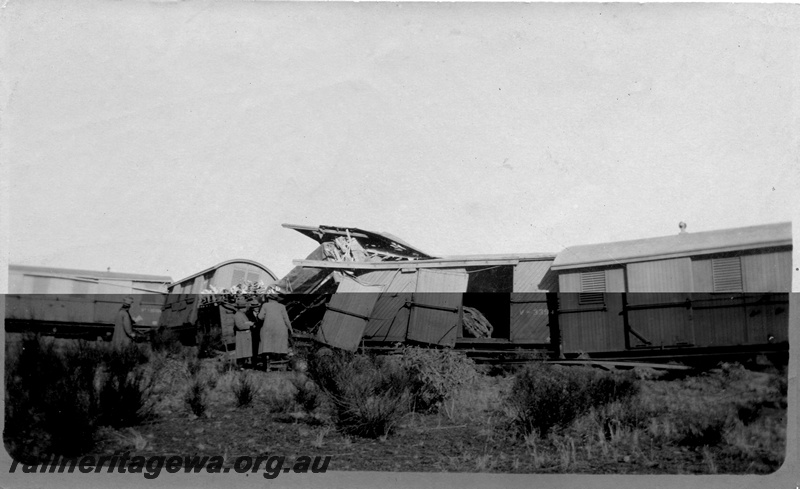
476 323
250 291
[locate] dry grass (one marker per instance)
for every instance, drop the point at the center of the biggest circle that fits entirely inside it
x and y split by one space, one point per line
723 421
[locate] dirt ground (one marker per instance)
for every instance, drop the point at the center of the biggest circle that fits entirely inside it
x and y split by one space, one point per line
468 434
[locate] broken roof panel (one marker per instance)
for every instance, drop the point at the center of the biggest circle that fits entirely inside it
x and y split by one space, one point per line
679 245
384 243
449 262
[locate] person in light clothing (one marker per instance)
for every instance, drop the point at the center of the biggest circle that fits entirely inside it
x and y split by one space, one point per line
242 326
275 329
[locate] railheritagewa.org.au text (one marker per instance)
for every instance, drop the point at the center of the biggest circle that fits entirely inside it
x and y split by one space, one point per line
153 466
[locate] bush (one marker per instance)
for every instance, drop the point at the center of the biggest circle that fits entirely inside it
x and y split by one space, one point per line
544 396
57 398
307 394
368 394
244 390
210 343
125 388
435 375
195 398
280 403
701 429
194 366
165 340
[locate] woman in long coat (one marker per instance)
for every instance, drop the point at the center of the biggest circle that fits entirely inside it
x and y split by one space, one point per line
275 329
242 326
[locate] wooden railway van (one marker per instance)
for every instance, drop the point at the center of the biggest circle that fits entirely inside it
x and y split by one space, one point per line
710 291
183 300
79 303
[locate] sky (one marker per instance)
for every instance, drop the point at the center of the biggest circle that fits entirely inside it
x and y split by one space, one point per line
163 138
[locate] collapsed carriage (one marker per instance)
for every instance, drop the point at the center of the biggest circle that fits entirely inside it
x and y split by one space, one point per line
711 295
677 297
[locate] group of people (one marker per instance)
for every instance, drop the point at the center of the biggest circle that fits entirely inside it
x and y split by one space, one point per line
272 327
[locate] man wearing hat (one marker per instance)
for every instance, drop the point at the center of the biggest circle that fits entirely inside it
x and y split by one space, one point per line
123 325
242 326
275 330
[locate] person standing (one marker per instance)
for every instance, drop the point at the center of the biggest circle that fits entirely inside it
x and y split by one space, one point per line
275 329
123 326
242 326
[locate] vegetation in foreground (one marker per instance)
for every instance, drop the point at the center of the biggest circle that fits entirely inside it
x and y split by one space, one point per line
419 410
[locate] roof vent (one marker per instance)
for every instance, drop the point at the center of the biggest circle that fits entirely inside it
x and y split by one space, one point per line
682 226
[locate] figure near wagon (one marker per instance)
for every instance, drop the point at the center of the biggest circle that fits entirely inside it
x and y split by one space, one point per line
272 326
124 335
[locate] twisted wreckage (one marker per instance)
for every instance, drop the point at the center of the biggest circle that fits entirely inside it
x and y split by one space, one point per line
369 289
688 295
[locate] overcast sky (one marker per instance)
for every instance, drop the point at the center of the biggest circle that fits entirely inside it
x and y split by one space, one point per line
165 138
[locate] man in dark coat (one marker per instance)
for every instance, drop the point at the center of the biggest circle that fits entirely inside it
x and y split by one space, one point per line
123 325
275 329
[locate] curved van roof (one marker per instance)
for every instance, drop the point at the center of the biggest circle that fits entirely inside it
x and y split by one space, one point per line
220 265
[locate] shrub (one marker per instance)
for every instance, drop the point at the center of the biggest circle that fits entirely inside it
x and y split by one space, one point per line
544 396
210 343
51 401
244 390
280 403
193 366
368 394
165 340
195 398
435 375
701 429
125 387
307 394
57 398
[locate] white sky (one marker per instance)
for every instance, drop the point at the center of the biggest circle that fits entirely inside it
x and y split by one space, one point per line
165 138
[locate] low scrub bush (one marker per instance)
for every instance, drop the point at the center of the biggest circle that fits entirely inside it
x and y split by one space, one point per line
544 396
210 343
193 366
244 390
56 398
701 429
368 394
164 340
307 394
196 399
435 375
281 403
126 388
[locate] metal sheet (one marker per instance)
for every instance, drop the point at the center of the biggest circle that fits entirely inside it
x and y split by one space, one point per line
348 311
435 311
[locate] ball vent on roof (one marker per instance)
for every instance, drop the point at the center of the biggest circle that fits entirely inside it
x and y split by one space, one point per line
682 226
